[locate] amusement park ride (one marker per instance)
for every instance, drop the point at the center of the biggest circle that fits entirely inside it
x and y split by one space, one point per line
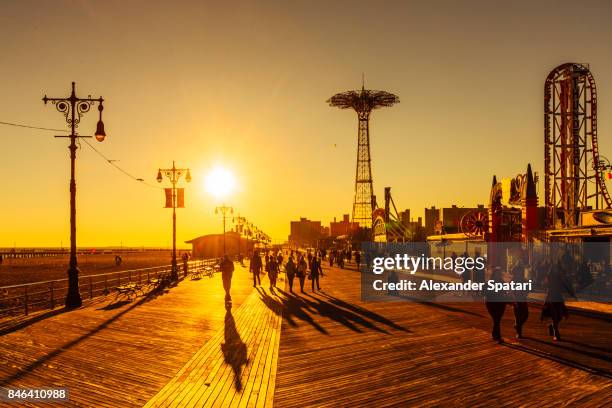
576 200
363 102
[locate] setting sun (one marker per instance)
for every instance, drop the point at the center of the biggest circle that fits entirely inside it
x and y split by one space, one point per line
220 182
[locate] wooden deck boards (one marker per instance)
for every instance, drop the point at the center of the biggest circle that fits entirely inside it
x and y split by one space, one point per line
183 348
236 367
339 351
118 355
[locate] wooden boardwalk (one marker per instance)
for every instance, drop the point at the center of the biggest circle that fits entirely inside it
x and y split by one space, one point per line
275 348
338 351
236 367
118 354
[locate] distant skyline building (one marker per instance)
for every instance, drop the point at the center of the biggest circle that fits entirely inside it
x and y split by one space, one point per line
306 232
344 227
432 221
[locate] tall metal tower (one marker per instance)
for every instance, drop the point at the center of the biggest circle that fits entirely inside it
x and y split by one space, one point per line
574 176
363 102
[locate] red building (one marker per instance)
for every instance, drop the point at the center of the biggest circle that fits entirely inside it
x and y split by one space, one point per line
344 227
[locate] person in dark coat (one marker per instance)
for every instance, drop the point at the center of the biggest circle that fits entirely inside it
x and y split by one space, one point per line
496 306
301 272
315 272
273 271
227 271
290 270
554 305
519 305
255 268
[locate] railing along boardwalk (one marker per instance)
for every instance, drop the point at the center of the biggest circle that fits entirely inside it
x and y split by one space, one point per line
23 253
29 297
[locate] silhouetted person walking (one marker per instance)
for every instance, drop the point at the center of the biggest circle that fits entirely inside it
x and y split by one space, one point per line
496 306
301 272
255 268
520 306
554 305
279 260
290 270
227 271
273 271
315 272
340 260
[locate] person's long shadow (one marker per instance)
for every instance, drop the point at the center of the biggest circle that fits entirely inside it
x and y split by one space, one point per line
364 312
301 307
290 307
561 360
438 305
234 349
599 356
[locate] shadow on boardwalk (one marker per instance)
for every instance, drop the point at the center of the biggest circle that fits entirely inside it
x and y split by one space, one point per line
304 307
234 349
58 351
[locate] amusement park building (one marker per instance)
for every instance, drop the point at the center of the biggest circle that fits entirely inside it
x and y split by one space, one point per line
448 220
452 216
211 246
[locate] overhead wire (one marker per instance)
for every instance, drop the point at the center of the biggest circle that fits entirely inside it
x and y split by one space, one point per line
98 152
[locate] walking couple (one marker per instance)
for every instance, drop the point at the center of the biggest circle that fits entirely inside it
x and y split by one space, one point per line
300 270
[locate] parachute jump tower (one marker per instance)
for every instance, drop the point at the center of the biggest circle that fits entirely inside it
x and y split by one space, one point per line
363 102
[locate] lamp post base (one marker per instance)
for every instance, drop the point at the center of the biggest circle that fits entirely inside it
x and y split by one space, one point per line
73 297
174 273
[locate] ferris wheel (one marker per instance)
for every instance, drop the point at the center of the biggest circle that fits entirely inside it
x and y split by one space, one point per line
474 224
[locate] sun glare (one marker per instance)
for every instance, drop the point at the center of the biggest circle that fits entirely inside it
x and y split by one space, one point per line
220 182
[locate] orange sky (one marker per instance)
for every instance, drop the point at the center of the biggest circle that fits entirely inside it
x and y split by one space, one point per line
244 86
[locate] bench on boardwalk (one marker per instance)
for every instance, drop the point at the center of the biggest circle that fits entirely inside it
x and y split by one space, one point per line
129 290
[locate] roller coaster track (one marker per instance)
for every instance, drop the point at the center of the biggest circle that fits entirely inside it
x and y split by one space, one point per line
570 122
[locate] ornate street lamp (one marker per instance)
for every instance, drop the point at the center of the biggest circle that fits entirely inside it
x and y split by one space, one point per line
224 210
73 108
173 201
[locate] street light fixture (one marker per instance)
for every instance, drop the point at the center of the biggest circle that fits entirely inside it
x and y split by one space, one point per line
224 210
73 108
173 201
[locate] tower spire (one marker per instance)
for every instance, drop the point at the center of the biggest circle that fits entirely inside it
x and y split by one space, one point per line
363 102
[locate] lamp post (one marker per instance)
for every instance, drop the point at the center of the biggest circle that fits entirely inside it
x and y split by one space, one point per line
224 210
73 108
173 174
240 222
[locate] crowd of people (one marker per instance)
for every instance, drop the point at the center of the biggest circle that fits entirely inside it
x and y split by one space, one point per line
307 265
299 264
